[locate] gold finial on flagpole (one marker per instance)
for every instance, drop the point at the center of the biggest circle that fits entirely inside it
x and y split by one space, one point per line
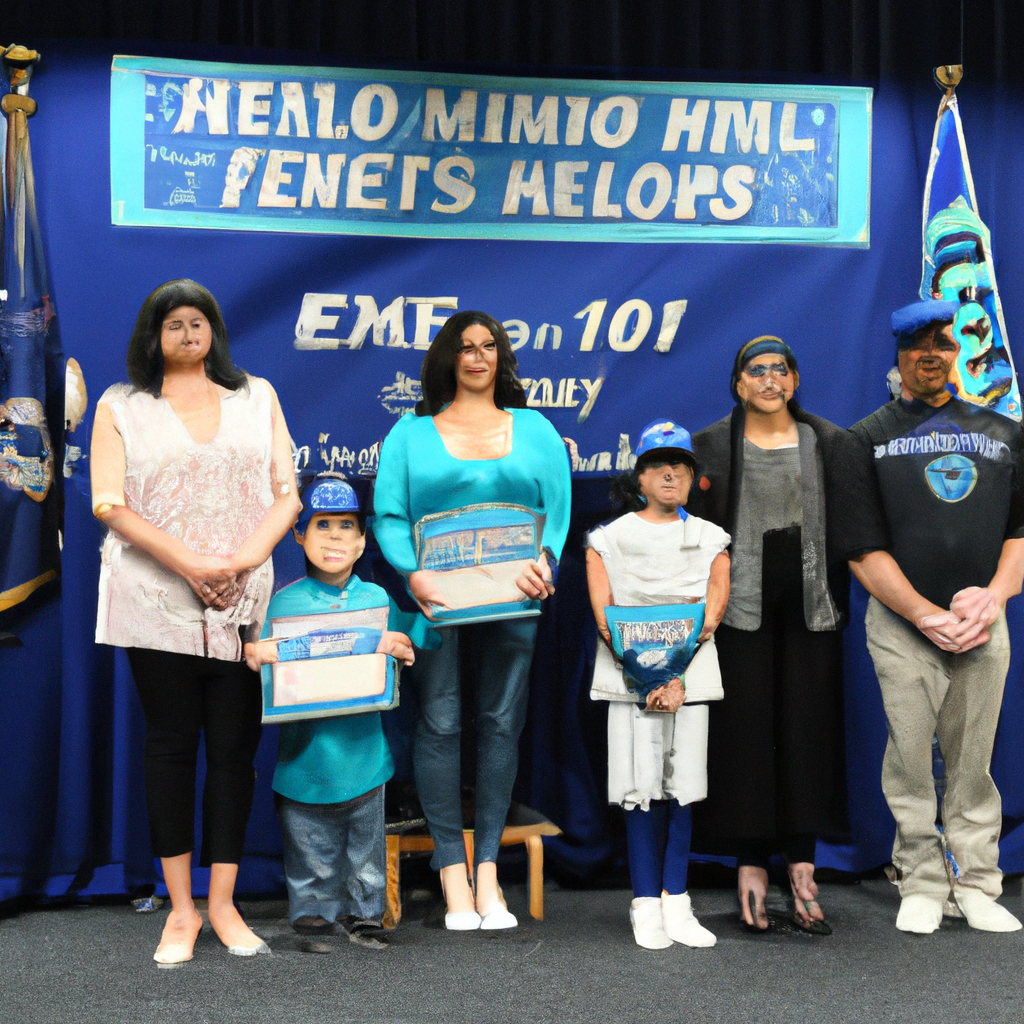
18 62
947 78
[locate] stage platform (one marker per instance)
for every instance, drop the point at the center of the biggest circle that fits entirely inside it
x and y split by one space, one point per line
91 965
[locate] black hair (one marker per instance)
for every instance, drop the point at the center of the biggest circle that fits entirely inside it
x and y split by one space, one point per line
145 361
625 492
437 375
764 345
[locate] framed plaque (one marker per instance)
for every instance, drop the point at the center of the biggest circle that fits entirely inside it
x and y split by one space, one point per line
478 552
655 644
328 665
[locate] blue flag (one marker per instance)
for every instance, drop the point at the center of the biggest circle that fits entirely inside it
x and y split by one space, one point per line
957 265
31 365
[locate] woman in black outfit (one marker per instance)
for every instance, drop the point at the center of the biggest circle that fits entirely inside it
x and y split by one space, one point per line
778 480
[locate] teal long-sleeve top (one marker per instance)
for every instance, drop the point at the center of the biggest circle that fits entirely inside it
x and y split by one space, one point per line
417 476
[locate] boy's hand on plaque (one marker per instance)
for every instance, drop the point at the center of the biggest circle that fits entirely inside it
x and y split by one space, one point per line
424 589
398 645
669 698
262 652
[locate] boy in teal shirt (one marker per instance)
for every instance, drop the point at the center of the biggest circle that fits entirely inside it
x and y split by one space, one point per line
330 775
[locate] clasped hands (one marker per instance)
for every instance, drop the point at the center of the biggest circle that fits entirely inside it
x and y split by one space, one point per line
264 652
215 579
966 624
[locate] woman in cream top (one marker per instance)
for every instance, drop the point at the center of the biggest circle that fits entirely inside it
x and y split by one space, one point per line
192 473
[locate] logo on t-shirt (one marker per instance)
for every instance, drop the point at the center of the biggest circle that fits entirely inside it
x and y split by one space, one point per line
952 477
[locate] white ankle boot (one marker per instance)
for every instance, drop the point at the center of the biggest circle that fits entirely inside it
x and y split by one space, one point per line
679 923
919 913
645 917
982 912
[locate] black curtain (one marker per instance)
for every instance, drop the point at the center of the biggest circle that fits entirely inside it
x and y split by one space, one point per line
858 41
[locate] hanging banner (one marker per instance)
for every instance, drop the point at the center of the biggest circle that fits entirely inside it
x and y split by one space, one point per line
957 264
336 150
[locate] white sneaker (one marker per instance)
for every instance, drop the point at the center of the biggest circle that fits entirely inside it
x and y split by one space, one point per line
646 919
680 924
919 913
983 913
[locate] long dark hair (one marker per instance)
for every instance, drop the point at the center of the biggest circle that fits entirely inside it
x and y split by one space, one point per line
438 372
145 360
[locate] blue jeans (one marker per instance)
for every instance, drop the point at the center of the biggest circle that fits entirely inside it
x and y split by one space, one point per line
503 651
335 860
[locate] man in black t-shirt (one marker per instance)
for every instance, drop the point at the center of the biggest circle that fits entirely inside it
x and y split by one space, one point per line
948 551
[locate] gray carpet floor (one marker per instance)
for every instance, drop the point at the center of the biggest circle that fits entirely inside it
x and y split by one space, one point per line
92 965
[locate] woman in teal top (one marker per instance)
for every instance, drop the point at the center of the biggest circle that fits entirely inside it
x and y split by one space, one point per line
470 441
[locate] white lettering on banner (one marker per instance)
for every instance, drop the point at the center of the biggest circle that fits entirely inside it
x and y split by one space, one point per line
542 335
274 177
629 118
629 327
493 117
518 332
662 179
545 125
250 107
462 192
358 179
463 116
576 122
703 181
602 207
541 393
734 181
239 173
672 312
215 107
323 93
613 122
787 126
293 109
362 107
314 183
363 461
425 318
747 131
533 189
599 462
566 186
692 123
411 166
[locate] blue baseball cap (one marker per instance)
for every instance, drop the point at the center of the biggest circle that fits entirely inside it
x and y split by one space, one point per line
665 436
324 497
906 322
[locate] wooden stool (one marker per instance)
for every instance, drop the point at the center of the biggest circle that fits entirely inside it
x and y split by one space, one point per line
523 825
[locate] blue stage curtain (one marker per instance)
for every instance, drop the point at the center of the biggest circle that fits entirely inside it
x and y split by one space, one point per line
72 814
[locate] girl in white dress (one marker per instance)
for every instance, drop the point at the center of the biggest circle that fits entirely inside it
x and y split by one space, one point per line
656 554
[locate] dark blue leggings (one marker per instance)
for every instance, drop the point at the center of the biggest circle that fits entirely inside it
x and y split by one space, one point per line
659 847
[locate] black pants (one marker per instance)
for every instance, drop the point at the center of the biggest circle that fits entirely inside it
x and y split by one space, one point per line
183 695
776 755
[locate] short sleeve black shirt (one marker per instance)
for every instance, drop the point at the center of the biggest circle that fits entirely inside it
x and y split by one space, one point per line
950 481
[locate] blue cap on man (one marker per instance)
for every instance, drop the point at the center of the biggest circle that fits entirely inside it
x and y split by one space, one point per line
906 322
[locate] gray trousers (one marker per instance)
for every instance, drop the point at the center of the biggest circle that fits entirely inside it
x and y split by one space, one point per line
926 692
